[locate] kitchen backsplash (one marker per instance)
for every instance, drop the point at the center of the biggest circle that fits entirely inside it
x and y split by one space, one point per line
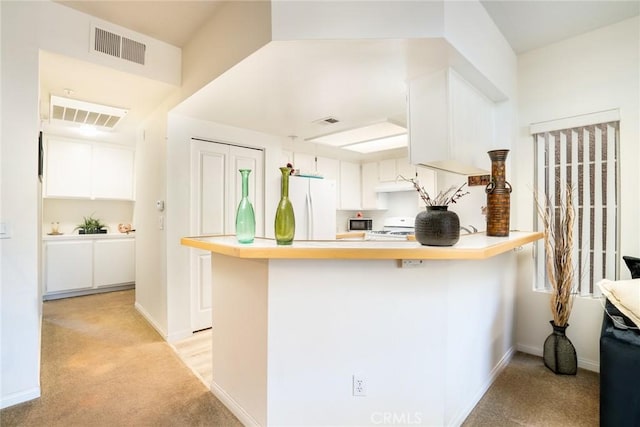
70 213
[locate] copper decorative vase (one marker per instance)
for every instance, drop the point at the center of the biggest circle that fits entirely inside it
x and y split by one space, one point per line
498 196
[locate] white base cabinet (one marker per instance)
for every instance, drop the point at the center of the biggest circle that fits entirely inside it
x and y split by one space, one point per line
78 266
69 266
114 262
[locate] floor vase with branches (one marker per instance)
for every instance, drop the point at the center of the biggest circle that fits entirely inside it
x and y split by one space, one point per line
559 354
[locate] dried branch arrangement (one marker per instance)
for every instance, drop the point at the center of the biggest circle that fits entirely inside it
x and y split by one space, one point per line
558 243
444 198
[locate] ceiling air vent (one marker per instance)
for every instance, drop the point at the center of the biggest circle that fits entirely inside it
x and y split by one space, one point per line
118 46
326 121
72 111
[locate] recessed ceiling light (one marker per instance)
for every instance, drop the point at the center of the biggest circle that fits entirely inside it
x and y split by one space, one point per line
387 143
360 134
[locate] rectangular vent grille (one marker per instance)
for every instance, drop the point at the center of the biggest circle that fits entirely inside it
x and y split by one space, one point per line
133 51
85 113
118 46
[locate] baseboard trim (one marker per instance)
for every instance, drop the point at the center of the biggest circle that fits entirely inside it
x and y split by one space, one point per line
69 294
20 397
500 366
589 365
243 416
535 351
173 337
150 320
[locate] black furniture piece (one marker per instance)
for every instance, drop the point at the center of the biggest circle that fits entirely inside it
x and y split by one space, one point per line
620 365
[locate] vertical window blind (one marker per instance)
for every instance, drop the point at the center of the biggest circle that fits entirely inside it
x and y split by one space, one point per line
585 158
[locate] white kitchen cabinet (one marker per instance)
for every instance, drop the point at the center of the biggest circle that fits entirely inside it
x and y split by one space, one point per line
304 162
79 265
114 262
330 169
88 170
68 265
67 169
113 173
350 186
387 170
405 169
369 184
450 123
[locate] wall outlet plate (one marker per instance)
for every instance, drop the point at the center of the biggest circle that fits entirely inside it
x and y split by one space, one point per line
358 385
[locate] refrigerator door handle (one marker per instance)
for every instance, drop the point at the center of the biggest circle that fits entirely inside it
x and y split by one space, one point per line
310 217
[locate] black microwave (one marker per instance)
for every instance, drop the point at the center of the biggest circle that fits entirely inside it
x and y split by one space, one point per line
360 224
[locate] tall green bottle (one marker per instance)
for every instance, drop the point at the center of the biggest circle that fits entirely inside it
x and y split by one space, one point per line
285 224
245 218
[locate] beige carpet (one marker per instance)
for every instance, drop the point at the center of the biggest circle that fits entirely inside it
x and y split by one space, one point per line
526 393
103 365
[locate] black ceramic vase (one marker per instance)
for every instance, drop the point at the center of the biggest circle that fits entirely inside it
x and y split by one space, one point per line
559 354
437 226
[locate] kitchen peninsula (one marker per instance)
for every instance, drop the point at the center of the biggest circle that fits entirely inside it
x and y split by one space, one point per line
293 325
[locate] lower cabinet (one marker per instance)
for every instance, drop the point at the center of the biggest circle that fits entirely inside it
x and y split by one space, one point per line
73 267
114 262
68 265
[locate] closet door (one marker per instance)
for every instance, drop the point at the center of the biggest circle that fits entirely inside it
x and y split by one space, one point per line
216 189
209 215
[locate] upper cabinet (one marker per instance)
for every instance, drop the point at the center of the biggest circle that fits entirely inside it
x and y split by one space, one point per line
91 170
112 173
451 124
350 186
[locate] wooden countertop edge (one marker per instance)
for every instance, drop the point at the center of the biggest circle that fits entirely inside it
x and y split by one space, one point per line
423 252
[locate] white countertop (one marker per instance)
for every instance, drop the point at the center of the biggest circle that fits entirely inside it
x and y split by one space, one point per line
106 236
473 246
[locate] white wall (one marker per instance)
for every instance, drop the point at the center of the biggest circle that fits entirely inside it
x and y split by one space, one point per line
70 213
224 39
409 332
62 30
20 299
592 72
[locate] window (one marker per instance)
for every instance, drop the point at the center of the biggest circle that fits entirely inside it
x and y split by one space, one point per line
586 158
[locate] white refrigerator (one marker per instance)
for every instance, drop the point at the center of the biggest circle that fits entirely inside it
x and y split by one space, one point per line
314 207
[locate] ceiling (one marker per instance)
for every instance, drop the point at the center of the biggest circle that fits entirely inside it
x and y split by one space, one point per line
286 86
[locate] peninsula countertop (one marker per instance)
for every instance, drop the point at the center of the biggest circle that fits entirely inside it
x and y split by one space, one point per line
469 247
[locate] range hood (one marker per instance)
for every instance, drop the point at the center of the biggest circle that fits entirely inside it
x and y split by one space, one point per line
454 166
392 187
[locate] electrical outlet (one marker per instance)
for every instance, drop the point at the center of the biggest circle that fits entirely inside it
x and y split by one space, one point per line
412 263
359 386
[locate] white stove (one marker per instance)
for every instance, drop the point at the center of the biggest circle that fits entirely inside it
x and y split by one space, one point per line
393 228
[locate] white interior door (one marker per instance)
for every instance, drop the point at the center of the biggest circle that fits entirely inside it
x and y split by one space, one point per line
216 189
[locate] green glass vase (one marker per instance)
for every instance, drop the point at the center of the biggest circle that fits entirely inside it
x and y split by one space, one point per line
285 224
245 217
